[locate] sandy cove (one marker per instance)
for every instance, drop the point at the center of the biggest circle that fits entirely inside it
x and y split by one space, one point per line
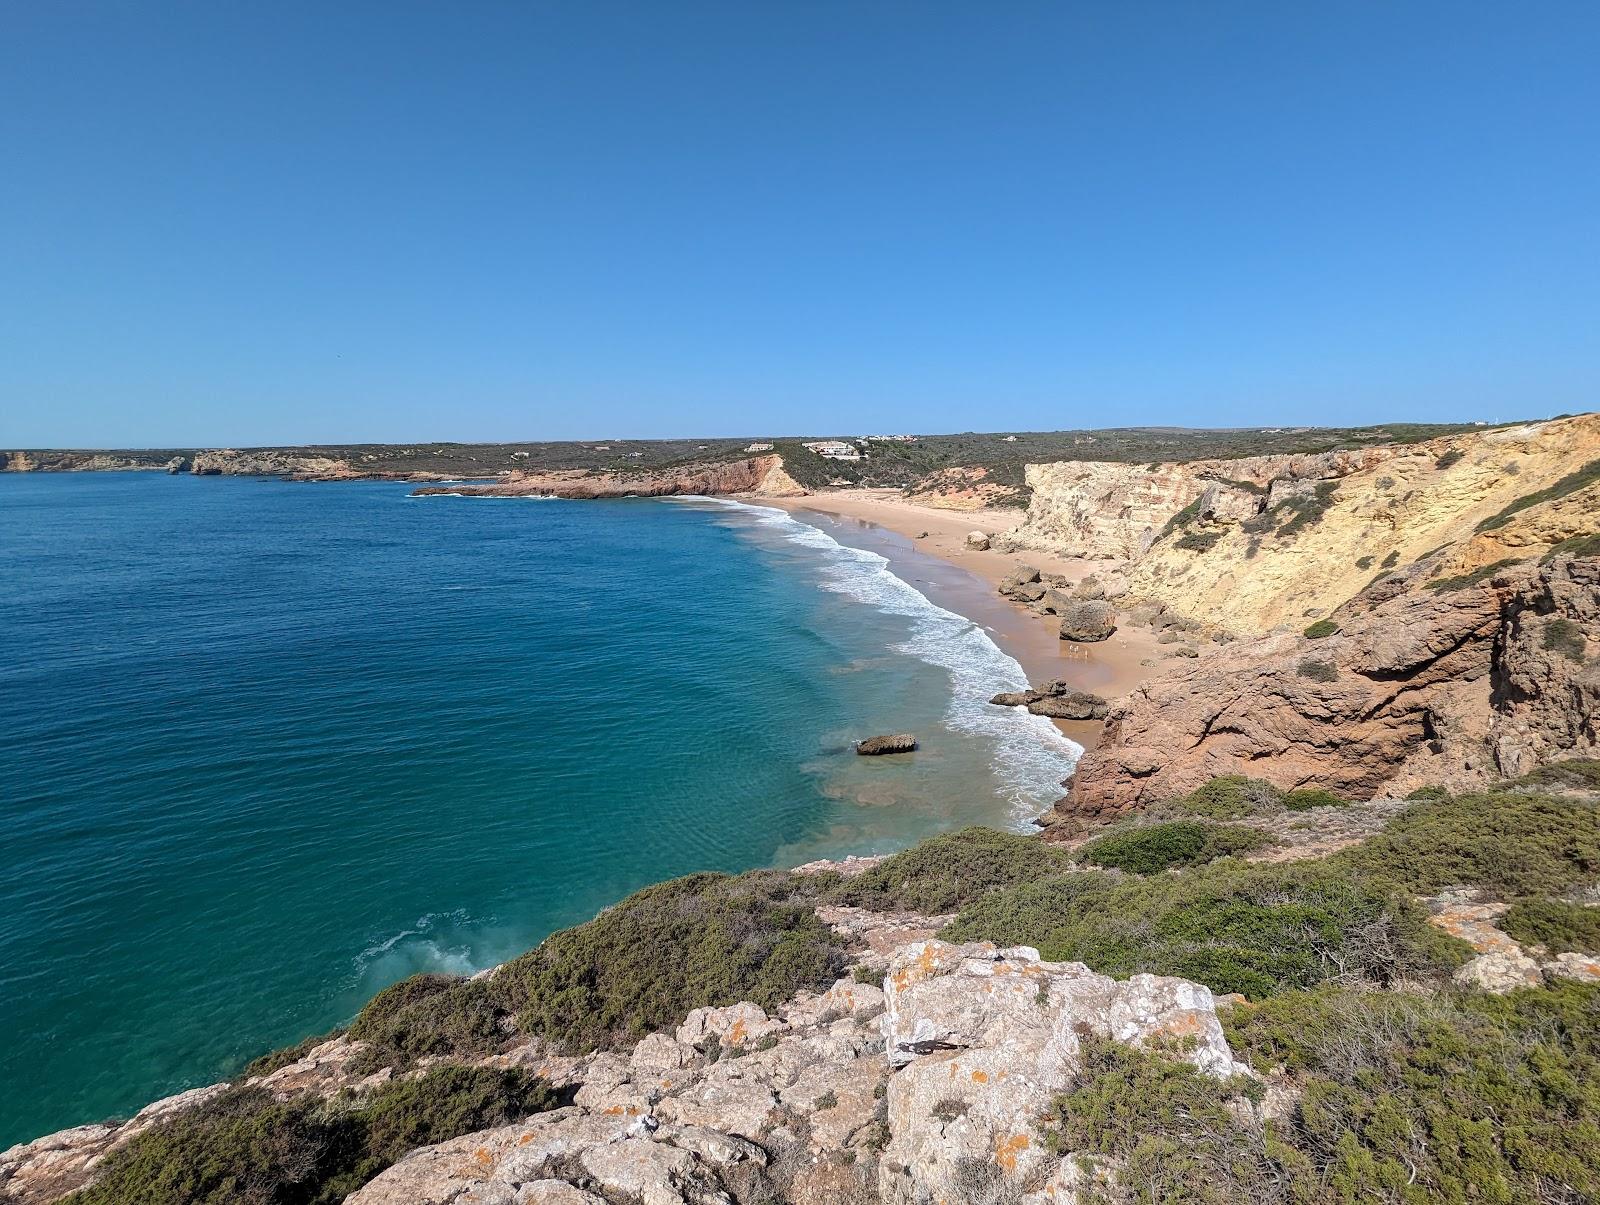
907 531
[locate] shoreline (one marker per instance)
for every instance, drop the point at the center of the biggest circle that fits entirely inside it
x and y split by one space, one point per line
926 547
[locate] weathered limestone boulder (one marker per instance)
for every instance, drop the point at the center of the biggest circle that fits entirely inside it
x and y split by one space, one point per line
978 540
1022 575
985 1038
732 1027
1087 621
876 746
1015 698
1075 705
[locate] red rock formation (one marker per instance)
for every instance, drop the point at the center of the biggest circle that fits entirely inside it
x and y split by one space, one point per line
1418 686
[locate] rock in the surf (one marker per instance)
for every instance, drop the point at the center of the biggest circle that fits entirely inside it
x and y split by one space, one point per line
899 742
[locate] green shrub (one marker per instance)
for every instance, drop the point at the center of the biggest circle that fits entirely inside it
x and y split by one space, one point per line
1326 627
1453 456
429 1015
1390 561
1570 484
1513 844
1417 1098
1565 637
1582 773
1236 928
1573 546
1231 797
1160 847
708 939
245 1148
1304 510
1166 1128
1558 925
1317 671
1432 791
1303 799
1199 541
1365 562
947 871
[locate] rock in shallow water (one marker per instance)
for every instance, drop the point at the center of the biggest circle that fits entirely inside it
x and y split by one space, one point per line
874 746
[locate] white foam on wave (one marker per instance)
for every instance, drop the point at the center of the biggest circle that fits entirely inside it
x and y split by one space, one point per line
1031 755
417 948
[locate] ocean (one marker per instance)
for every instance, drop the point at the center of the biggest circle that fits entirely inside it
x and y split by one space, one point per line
269 747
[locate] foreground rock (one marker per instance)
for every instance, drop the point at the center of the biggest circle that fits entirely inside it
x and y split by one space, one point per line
876 746
1087 620
1056 699
860 1094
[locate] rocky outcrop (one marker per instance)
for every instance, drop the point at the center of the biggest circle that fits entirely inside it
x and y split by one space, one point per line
763 476
877 746
229 462
1417 685
984 1039
1499 963
91 462
1087 620
863 1093
1057 700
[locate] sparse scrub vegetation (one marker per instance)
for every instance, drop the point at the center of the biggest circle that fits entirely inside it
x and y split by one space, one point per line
1317 671
1413 1098
1199 541
1452 457
1305 509
1573 773
1564 637
1462 580
1159 847
1303 799
1231 797
949 871
1582 478
708 939
1558 925
246 1148
1324 628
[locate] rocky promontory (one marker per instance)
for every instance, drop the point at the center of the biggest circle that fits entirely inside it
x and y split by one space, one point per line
762 476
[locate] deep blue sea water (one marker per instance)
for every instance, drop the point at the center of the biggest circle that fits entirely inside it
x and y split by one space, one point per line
266 748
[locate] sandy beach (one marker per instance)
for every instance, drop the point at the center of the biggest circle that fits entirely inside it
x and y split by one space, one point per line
927 547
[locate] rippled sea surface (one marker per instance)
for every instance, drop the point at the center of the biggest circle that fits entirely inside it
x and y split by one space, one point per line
266 748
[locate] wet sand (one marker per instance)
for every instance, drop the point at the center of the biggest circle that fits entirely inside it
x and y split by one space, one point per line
963 580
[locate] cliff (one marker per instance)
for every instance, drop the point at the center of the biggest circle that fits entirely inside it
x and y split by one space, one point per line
762 476
1411 685
81 462
1253 543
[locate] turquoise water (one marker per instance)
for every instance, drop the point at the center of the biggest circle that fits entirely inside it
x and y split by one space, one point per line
269 747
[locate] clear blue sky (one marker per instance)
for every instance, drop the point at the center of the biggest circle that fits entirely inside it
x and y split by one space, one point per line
231 222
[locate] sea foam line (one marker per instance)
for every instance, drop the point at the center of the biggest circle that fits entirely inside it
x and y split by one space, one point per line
1031 755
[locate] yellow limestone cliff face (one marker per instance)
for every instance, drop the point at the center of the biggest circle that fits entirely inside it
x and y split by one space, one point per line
1275 541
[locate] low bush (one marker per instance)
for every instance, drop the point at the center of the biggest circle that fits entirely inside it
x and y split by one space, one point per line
1170 1132
1510 843
1453 456
1317 671
429 1015
245 1148
1564 637
1581 773
1573 546
1304 510
1236 928
1413 1098
708 939
1198 541
1160 847
1231 797
950 870
1558 925
1303 799
1324 628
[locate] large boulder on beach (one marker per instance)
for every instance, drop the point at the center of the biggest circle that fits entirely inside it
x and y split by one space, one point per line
1015 698
1087 621
1075 705
875 746
978 541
